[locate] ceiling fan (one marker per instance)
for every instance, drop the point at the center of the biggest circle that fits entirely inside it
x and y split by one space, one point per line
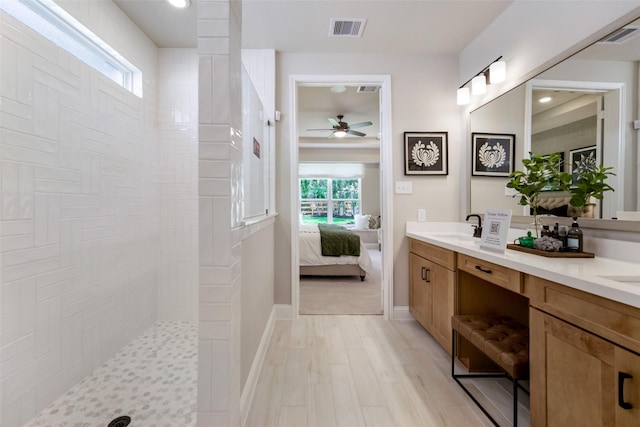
340 128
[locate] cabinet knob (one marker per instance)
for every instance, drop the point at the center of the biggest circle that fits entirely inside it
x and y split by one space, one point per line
621 377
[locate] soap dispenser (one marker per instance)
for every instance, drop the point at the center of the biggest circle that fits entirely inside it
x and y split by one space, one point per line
574 237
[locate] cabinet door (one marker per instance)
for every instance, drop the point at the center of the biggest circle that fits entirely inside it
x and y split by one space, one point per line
443 290
421 290
431 297
575 377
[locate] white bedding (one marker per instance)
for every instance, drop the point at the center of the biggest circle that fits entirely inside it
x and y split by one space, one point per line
310 253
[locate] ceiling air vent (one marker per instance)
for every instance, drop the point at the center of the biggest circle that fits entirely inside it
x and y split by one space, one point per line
621 36
346 27
367 89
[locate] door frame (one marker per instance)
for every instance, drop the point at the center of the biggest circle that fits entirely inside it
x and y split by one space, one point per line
386 181
615 132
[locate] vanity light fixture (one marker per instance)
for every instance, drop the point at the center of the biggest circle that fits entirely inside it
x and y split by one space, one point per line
495 72
479 84
181 4
463 96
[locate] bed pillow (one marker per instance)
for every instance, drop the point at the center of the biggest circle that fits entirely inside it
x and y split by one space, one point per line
362 222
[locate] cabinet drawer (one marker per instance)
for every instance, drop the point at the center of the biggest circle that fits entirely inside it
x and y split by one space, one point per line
619 323
493 273
444 257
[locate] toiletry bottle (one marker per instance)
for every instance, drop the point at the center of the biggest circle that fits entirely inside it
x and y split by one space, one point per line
562 236
556 231
545 231
574 237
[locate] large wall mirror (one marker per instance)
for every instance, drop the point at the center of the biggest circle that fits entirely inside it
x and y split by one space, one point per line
591 105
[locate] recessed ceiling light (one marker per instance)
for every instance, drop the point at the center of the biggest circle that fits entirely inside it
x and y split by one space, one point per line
180 3
545 99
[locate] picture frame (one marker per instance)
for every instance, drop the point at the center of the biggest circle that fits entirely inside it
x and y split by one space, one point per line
426 153
578 155
492 154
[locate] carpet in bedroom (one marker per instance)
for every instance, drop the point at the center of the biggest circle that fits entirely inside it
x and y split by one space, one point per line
342 295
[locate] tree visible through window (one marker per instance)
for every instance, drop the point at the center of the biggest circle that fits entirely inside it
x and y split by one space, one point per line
329 201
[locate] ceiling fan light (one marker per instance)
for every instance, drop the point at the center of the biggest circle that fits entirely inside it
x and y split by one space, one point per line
479 85
180 3
463 96
498 72
339 134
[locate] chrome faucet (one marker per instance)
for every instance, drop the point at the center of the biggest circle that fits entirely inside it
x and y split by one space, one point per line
477 229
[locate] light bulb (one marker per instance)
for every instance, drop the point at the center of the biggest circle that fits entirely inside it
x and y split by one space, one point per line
339 134
479 85
463 96
498 72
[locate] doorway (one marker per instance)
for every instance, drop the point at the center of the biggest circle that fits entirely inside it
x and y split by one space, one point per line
382 83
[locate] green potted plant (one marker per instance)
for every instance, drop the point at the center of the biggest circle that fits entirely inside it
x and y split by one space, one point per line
540 172
588 183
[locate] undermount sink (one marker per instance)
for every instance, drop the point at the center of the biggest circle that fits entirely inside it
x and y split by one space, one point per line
623 279
454 236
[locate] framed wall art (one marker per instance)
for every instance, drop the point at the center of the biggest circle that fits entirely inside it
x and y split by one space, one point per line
582 158
492 154
426 153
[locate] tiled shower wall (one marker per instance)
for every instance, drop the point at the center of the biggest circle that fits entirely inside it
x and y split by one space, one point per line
94 194
177 176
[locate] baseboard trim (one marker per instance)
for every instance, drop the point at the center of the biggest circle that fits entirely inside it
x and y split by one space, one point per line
246 397
401 313
283 311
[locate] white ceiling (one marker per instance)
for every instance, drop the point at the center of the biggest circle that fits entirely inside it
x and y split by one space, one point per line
433 27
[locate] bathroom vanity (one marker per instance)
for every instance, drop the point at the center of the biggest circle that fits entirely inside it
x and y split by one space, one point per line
583 317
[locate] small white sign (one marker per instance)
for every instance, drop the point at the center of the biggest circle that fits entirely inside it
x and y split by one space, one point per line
494 230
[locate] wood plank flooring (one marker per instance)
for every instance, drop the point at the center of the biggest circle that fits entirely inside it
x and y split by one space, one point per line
358 371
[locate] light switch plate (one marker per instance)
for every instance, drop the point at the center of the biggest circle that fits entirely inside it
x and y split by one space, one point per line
422 215
404 187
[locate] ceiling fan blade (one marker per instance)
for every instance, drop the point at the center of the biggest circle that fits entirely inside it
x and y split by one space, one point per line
333 122
355 132
360 125
318 129
333 135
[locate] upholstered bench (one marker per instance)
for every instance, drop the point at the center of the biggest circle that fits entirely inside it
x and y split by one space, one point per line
503 340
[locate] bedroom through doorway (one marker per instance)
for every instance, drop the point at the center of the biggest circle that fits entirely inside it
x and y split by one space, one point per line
339 184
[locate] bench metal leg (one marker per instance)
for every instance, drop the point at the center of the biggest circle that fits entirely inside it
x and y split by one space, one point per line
456 377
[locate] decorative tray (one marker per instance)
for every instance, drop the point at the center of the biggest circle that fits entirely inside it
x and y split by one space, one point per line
550 254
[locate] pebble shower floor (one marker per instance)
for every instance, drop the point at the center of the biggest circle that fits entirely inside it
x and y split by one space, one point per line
153 380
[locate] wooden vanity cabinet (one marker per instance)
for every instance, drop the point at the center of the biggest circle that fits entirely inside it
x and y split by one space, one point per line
431 289
585 365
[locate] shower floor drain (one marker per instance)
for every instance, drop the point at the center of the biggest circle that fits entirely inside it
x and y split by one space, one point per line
120 422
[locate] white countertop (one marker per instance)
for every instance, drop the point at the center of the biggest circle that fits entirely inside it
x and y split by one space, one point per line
585 274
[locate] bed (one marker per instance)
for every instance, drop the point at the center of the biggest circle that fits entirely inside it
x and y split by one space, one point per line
313 263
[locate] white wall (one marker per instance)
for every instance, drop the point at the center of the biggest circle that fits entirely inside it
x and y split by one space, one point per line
534 35
421 101
79 219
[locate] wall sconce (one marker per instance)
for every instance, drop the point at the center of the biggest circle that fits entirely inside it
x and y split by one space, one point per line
495 72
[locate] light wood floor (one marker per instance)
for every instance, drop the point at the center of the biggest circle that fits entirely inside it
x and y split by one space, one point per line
357 371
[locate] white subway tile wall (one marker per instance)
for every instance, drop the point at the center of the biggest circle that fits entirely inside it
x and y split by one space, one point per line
219 302
98 205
